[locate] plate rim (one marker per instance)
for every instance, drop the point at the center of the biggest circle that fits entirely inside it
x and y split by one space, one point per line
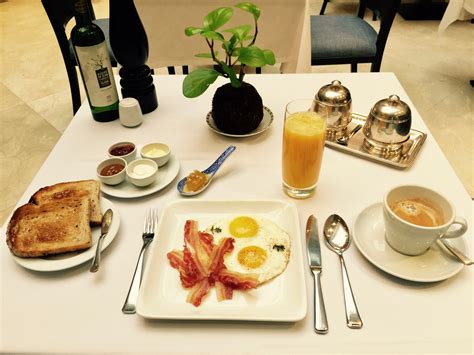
62 264
145 191
389 270
255 132
300 312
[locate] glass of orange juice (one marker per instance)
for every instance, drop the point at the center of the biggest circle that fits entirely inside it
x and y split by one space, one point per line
304 135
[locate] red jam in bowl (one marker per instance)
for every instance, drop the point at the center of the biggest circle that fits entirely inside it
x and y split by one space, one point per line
111 169
122 149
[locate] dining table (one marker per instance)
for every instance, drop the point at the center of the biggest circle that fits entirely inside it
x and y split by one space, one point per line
73 310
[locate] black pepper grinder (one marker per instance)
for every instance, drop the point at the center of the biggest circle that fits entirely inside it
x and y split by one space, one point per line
130 47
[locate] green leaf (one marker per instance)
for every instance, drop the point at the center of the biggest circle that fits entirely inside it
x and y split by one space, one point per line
232 75
240 31
191 31
269 56
249 7
236 52
226 46
205 55
252 56
229 45
213 35
217 18
196 82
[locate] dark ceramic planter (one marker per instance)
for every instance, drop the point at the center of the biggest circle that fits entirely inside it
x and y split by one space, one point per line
237 110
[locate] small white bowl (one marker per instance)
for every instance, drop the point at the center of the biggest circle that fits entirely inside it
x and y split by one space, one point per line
158 152
116 178
142 172
129 156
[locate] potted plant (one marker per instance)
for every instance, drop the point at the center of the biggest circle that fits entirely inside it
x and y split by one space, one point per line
236 106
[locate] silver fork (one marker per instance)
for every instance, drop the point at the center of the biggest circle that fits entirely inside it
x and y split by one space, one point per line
130 304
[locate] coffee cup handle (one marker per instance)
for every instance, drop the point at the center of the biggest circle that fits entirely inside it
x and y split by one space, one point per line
457 232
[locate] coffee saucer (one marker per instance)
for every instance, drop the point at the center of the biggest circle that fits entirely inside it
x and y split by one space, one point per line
434 265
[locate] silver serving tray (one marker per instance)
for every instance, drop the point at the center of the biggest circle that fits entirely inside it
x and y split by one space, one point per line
355 146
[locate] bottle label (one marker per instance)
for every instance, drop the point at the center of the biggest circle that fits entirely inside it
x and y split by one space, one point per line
97 74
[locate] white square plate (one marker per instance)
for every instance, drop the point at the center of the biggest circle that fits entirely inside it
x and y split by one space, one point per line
282 299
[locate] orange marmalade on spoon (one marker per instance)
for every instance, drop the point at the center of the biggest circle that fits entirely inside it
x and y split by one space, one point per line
195 181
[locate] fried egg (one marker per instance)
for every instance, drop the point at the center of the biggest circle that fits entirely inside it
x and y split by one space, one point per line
260 246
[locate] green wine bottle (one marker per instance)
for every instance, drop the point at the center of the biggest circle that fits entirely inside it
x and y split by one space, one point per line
93 58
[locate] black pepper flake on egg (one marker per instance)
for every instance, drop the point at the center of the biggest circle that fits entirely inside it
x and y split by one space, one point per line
278 247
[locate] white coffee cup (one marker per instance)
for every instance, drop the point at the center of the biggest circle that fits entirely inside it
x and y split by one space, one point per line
130 113
413 239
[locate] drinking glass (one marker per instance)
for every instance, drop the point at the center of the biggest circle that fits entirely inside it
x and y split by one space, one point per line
304 135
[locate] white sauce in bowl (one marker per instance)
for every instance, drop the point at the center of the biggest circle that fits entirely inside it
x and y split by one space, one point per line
142 170
155 152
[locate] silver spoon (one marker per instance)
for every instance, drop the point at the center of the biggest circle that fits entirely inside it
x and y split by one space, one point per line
344 140
209 172
338 240
456 252
104 229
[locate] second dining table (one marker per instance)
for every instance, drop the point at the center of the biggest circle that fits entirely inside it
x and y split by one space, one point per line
76 311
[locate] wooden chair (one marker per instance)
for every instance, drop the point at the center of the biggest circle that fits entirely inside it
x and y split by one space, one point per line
345 39
60 12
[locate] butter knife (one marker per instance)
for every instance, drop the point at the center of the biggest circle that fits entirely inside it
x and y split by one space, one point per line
314 258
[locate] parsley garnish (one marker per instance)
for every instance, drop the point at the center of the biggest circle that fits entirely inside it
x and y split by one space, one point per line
279 247
215 229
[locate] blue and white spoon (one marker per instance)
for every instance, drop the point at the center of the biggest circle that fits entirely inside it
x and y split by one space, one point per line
210 172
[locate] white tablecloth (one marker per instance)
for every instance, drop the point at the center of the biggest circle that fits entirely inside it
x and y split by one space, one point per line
76 311
283 27
456 10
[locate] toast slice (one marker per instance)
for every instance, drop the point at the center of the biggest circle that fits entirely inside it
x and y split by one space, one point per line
52 228
73 189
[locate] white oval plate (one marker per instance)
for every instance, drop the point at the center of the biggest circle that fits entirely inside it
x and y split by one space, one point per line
434 265
126 189
267 120
68 260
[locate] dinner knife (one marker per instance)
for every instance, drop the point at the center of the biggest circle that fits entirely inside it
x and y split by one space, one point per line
314 259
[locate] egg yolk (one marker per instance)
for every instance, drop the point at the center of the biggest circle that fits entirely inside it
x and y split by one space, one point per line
252 256
243 227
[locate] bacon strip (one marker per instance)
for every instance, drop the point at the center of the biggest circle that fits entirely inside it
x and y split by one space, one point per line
201 266
188 273
199 245
198 292
225 245
223 292
236 280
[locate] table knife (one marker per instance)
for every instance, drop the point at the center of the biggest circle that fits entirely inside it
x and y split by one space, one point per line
314 258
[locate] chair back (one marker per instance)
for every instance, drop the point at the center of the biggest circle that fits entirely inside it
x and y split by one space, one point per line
60 12
387 10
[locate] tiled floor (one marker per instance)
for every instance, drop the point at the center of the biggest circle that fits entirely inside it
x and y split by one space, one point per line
35 105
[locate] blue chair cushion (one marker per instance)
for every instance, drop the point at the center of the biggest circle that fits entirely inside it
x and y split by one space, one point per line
103 23
340 37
